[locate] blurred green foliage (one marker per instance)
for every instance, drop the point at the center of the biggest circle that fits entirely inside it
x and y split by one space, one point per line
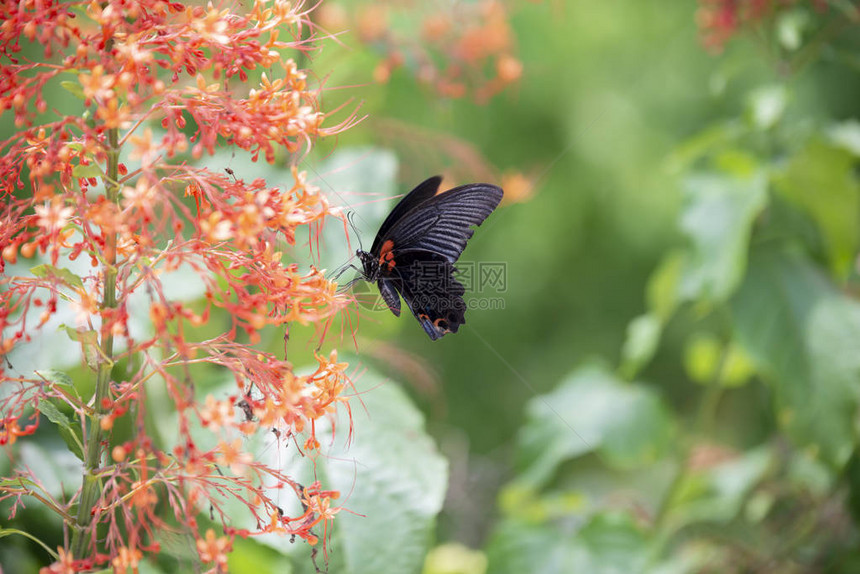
673 383
695 225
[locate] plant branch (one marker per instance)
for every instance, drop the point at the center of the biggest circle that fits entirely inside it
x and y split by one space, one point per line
91 487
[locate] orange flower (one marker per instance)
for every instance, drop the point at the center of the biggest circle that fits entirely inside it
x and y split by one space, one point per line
214 549
216 414
65 564
232 456
54 216
143 495
127 558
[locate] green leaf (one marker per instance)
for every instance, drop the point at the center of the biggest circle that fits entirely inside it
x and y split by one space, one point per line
72 435
73 88
393 478
766 106
89 340
846 135
57 377
53 413
82 335
251 557
17 481
609 543
91 170
790 26
718 218
61 273
694 557
811 475
820 181
643 337
455 558
4 532
706 357
803 333
523 502
626 424
662 291
702 144
736 163
718 493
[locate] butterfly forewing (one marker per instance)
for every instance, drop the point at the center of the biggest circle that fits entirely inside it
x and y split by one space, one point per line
442 224
422 192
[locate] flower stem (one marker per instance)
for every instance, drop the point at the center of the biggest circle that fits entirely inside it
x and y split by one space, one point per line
91 487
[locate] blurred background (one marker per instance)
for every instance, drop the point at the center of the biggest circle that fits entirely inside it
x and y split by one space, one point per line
660 369
671 383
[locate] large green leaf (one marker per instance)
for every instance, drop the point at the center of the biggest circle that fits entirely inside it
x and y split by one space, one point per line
718 216
805 334
626 424
820 180
393 480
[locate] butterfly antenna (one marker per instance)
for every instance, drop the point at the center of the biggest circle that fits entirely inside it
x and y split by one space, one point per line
349 217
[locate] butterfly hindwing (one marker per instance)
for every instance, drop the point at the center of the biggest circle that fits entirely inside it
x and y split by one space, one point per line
435 297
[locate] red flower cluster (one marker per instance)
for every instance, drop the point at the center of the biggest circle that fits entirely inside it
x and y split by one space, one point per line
135 65
466 50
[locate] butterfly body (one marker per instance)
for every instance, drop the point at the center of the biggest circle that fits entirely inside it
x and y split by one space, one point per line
414 252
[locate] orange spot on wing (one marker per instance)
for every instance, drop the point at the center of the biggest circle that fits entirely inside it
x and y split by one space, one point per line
385 254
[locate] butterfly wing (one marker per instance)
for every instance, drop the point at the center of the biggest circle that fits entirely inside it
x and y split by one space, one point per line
426 282
442 224
422 192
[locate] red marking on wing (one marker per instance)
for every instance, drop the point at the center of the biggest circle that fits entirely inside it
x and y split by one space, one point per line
386 257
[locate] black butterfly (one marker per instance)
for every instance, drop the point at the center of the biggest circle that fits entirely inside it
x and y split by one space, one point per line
417 245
